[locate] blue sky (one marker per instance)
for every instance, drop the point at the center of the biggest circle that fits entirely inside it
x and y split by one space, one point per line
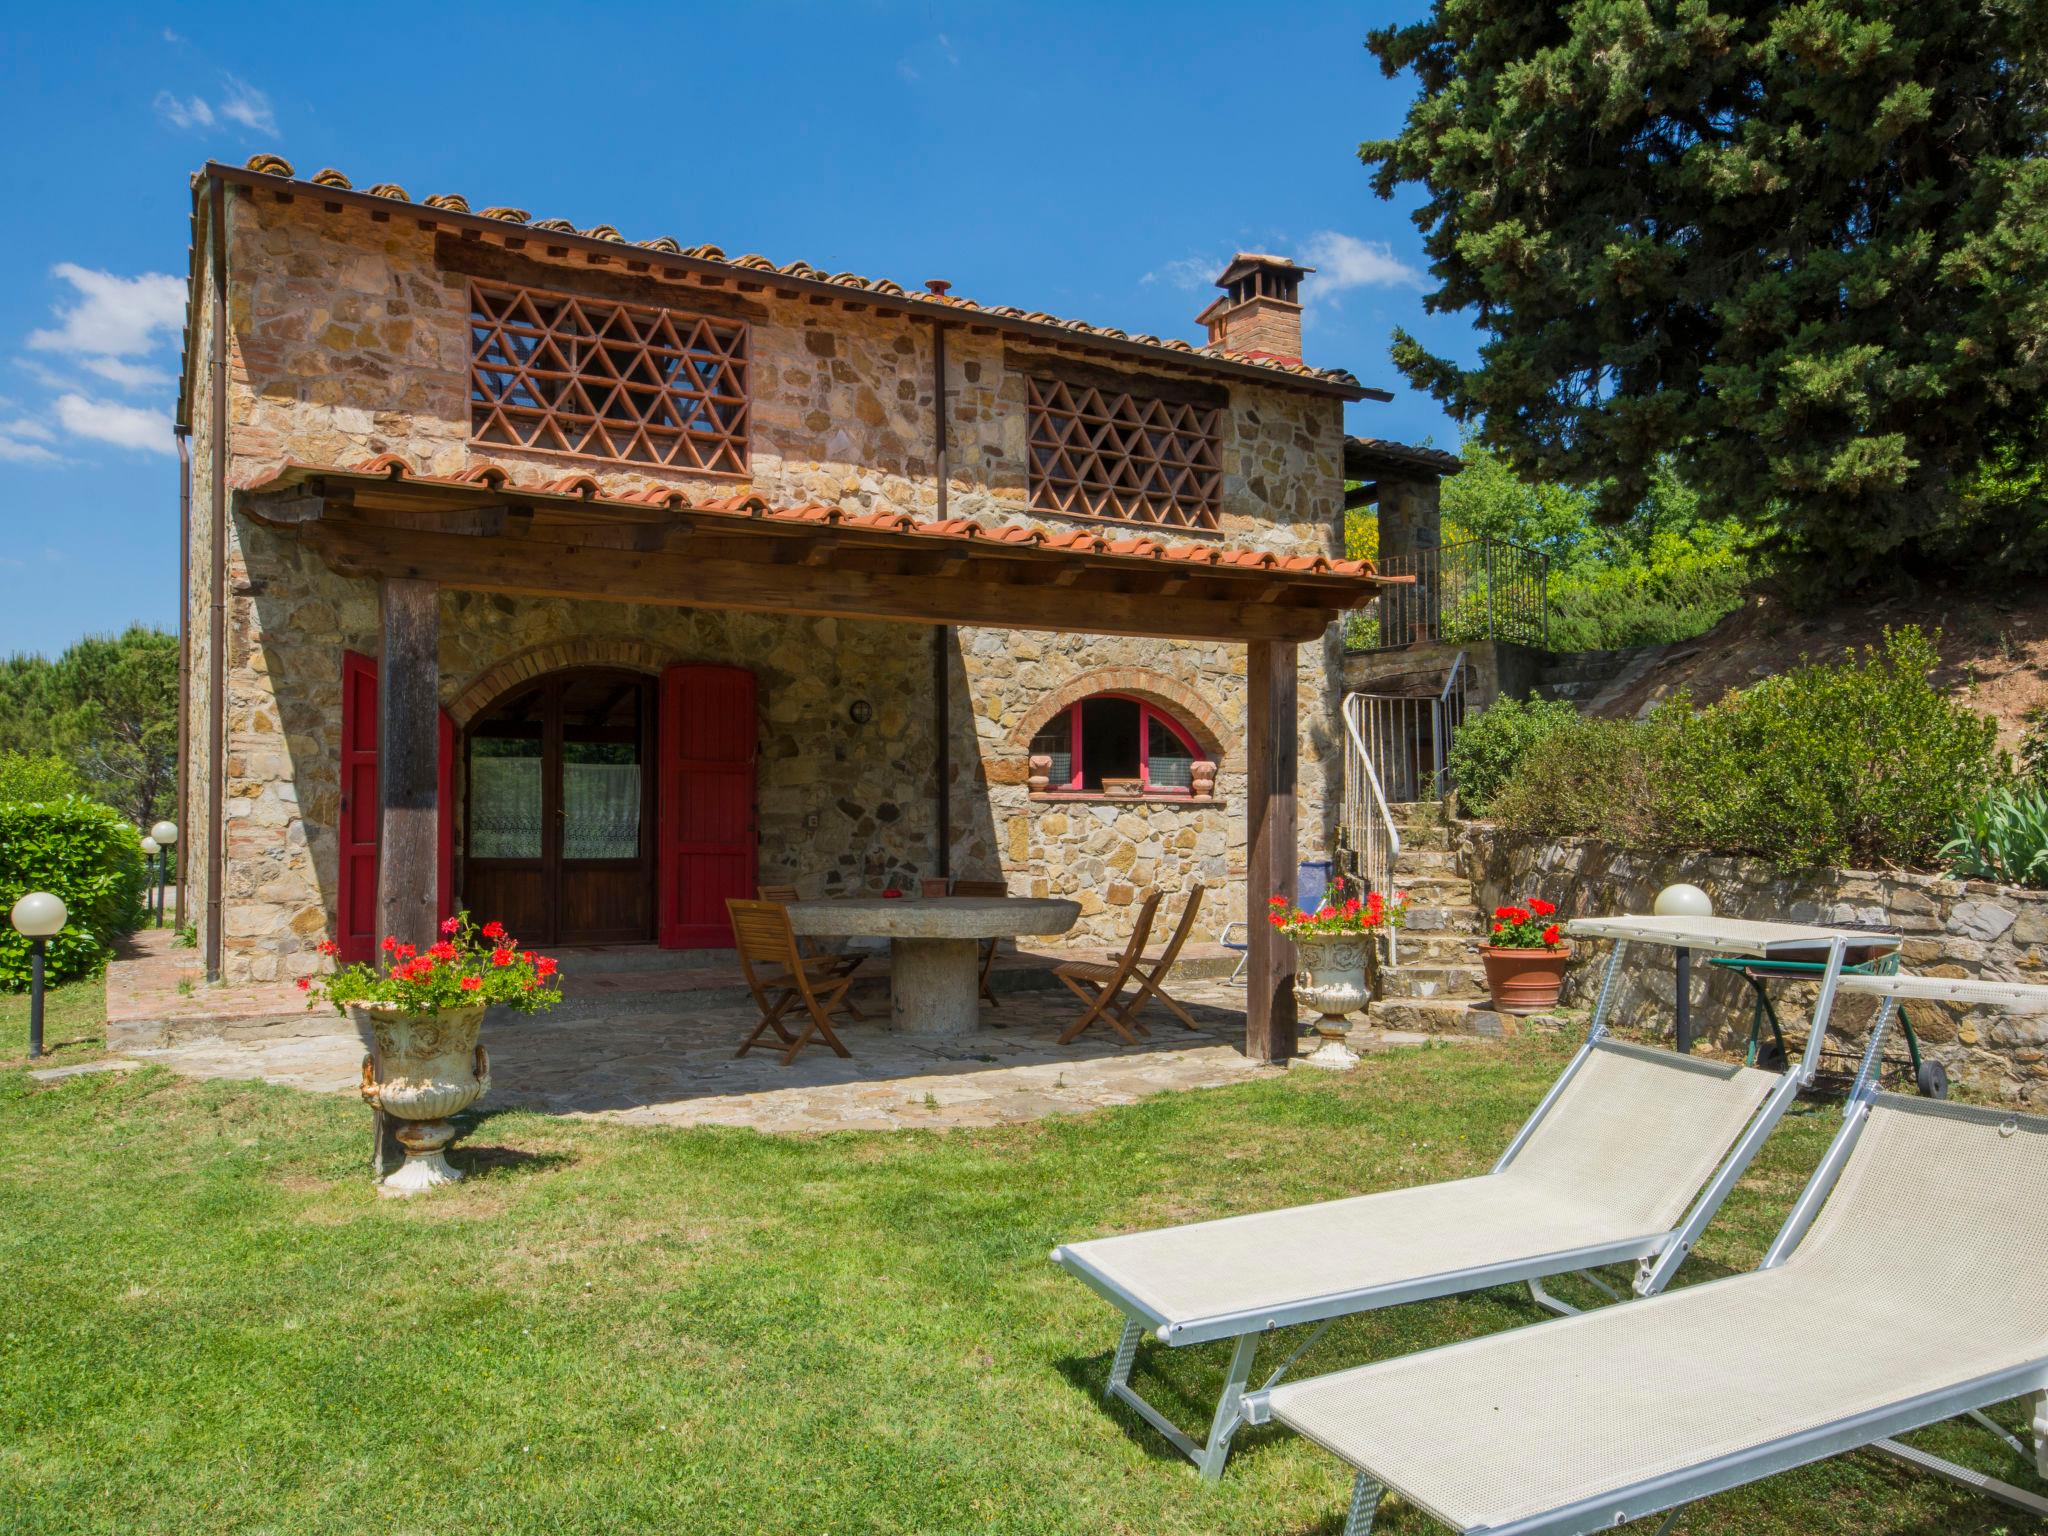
1098 161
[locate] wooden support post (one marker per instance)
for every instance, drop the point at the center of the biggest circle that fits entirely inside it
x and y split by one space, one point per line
408 761
1270 1028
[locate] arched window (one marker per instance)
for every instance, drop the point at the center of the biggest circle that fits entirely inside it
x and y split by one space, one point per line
1110 741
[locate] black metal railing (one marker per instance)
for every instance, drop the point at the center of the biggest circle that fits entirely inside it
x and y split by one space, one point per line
1475 589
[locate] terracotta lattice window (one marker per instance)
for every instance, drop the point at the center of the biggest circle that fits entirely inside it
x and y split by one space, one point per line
1123 456
607 380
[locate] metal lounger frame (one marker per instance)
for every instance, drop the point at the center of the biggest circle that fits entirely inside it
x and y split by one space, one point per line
1657 1258
1873 1428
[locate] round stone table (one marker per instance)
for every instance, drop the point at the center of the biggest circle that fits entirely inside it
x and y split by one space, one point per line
934 946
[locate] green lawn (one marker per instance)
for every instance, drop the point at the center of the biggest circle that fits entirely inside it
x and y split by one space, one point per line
209 1323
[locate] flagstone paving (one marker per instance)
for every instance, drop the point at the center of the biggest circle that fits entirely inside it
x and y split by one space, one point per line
674 1064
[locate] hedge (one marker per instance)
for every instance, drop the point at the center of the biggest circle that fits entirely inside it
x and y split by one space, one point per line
83 852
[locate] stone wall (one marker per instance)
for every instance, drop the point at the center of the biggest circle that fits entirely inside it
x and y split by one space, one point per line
349 338
1952 928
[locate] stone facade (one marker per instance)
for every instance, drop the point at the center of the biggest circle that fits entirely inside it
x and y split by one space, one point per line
349 338
1952 928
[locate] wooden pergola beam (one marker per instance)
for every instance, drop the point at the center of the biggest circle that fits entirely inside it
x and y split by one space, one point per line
408 763
1271 752
539 567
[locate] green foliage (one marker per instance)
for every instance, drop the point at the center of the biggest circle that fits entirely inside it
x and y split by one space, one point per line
1863 762
108 707
1490 746
1860 762
2003 837
84 853
1801 249
25 779
2034 746
1682 585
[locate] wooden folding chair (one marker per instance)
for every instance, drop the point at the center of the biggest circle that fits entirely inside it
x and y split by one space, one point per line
988 946
1109 980
839 963
1153 985
780 976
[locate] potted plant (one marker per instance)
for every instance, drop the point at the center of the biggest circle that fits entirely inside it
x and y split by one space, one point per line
420 1015
1525 958
1330 944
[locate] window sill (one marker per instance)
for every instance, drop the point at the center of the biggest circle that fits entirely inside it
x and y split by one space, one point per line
1085 797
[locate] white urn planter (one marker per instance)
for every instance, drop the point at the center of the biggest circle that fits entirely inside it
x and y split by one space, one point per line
1329 977
421 1069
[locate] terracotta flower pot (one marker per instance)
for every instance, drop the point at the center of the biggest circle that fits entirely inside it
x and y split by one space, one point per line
1524 980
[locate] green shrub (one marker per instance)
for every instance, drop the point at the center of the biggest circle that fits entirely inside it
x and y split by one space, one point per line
1596 778
1860 762
2003 837
83 852
1677 590
1490 746
24 778
2034 746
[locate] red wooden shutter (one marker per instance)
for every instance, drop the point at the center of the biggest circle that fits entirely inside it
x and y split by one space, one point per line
362 815
705 795
355 920
444 805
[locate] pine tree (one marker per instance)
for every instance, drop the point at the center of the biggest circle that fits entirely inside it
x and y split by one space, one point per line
1801 248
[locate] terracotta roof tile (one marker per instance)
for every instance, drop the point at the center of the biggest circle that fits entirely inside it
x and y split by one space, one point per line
750 504
275 165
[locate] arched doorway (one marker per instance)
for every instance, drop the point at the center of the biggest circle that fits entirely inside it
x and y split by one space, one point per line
559 808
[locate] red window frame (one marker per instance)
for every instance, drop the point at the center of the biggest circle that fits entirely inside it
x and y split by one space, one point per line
1147 713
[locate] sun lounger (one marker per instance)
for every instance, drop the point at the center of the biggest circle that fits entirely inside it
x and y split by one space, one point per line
1626 1159
1908 1285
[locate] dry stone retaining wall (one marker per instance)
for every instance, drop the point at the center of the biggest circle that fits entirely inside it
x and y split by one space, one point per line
1952 928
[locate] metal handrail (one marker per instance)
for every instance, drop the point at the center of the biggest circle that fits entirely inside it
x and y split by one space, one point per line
1444 723
1379 870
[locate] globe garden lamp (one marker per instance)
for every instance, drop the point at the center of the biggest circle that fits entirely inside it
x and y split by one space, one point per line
166 835
1682 900
37 917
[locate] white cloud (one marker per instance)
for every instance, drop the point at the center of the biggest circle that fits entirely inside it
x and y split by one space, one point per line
115 316
238 102
248 106
905 70
1189 273
1344 261
109 421
172 37
184 112
24 441
128 375
952 54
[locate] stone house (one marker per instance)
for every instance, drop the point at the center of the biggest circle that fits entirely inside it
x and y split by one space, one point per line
586 582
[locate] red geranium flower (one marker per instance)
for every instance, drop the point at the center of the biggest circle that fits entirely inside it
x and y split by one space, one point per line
329 947
305 983
450 924
543 966
471 983
1541 907
1552 935
442 951
390 944
494 930
1277 901
501 957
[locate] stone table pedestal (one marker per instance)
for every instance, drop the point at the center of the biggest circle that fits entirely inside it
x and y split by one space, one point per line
935 946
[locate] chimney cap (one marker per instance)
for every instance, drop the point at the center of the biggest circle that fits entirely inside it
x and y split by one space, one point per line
938 286
1246 261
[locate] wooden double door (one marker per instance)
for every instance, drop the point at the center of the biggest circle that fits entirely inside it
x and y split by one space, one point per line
605 807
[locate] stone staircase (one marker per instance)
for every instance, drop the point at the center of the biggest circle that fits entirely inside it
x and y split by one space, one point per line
1439 986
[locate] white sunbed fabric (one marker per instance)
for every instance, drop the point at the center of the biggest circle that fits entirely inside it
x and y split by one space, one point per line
1927 1268
1619 1157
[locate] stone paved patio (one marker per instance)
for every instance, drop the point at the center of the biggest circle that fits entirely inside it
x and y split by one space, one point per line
649 1057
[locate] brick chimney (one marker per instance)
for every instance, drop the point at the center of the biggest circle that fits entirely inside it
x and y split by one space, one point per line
1260 311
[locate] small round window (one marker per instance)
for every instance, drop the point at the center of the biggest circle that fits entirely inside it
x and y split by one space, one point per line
1110 741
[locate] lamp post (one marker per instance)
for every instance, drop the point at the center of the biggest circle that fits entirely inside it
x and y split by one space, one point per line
149 852
166 835
1683 900
36 917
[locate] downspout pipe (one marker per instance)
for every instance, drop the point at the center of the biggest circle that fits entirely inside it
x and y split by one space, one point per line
942 635
217 589
184 664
